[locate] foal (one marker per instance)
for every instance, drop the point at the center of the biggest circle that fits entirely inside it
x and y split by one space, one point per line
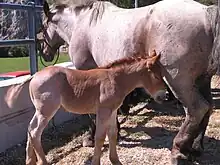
99 91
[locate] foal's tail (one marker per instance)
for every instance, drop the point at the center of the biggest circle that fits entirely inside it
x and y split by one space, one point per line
14 91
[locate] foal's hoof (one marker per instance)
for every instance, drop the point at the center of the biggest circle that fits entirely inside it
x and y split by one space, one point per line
88 142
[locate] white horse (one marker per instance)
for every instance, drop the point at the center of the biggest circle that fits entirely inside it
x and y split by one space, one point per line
183 31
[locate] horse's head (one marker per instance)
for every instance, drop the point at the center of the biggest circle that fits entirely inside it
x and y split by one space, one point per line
154 82
51 38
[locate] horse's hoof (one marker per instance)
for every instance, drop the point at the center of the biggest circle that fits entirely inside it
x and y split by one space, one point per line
179 159
196 152
116 162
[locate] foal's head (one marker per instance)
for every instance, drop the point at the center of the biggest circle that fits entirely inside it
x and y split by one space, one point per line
145 71
153 81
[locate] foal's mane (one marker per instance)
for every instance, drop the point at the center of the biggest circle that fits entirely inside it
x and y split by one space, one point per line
124 61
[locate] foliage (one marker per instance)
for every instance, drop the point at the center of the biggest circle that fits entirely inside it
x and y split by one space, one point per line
208 2
18 51
130 3
4 52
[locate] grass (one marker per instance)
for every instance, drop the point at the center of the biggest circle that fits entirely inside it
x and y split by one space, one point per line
23 63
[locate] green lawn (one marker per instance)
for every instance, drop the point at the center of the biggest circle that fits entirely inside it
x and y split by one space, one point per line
22 63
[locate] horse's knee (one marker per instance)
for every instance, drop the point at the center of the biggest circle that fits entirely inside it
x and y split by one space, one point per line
204 87
190 129
198 147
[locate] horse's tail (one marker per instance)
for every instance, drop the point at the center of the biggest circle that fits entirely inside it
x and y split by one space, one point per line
14 91
213 17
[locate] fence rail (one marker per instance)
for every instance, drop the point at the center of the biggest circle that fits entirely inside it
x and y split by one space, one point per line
13 6
7 43
31 40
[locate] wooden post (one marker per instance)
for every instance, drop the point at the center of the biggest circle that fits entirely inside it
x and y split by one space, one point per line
136 3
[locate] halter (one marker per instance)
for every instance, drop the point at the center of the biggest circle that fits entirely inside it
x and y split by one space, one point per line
44 41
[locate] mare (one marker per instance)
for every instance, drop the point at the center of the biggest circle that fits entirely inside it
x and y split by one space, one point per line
100 91
184 32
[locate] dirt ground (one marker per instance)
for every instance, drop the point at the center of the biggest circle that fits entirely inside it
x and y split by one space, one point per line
146 138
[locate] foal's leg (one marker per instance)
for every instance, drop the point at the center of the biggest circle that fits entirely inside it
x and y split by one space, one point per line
112 136
102 119
204 85
30 153
35 132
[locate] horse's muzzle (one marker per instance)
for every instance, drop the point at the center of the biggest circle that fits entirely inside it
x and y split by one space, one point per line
160 96
47 56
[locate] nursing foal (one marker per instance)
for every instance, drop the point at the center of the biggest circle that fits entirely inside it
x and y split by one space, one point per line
99 91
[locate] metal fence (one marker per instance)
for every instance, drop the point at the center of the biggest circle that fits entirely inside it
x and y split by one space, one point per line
31 8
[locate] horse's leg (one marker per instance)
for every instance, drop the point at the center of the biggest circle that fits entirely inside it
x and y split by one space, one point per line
30 153
204 85
195 107
124 109
88 140
102 120
112 136
85 61
118 128
35 132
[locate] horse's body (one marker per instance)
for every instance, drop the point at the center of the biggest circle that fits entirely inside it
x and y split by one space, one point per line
183 31
98 91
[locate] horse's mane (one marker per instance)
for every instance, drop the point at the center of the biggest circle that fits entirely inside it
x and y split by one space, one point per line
123 62
78 3
97 6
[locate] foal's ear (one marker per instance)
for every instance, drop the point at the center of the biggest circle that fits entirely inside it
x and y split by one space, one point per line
46 8
152 60
153 53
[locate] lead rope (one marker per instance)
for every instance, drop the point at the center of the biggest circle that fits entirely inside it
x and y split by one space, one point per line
41 52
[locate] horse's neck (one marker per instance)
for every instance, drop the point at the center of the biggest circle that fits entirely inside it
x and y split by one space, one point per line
66 25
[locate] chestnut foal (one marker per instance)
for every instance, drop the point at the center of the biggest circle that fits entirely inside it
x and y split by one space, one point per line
99 91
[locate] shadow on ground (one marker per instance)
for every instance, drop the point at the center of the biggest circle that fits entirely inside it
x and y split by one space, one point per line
51 138
160 136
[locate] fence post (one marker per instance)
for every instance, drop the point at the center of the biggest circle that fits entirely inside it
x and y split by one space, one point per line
136 3
32 35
